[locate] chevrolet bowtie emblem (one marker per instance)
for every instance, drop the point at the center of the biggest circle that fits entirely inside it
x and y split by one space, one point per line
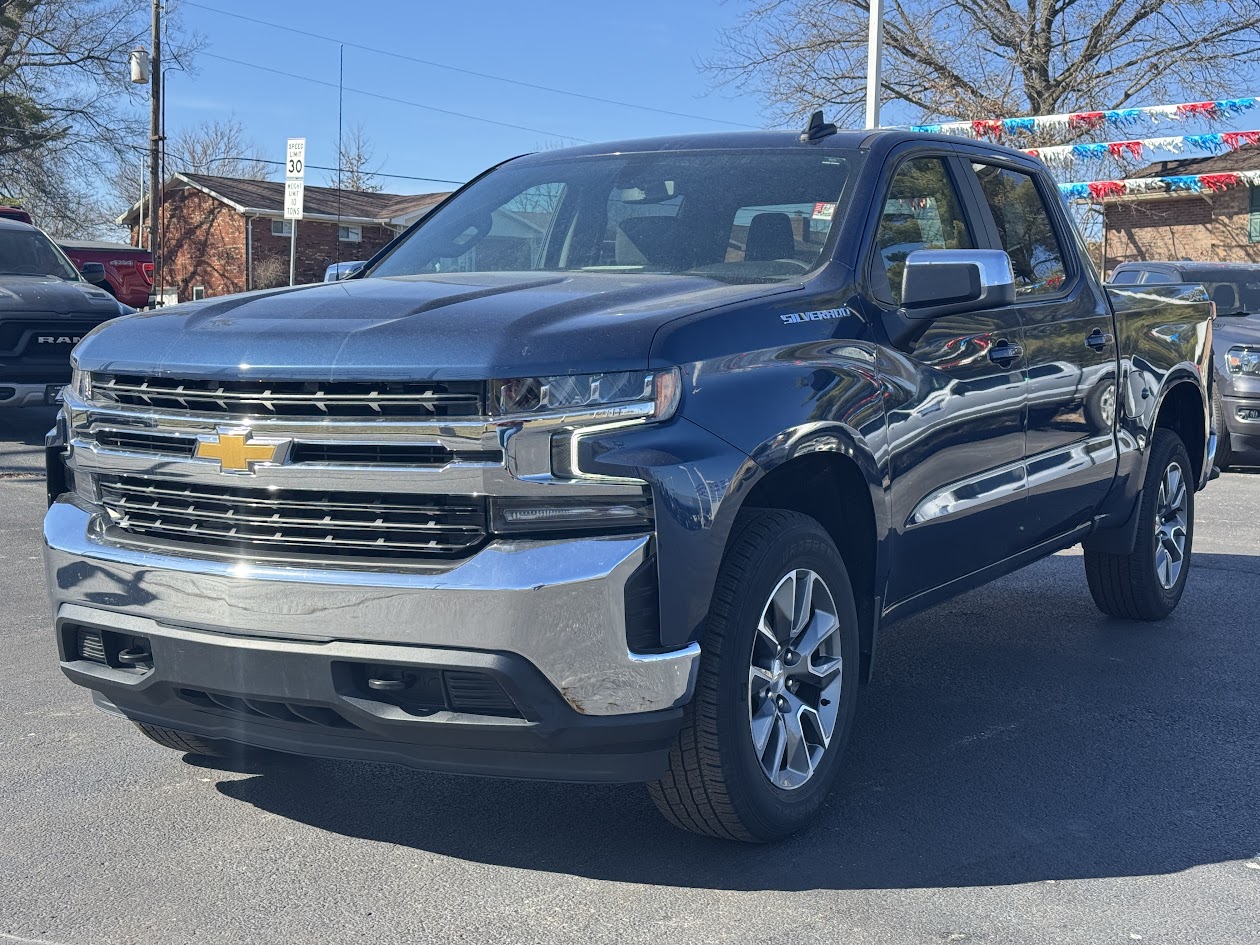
236 452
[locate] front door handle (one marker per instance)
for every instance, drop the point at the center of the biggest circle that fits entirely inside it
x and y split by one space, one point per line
1099 339
1005 351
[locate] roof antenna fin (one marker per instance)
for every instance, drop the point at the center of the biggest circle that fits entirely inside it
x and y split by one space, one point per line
817 129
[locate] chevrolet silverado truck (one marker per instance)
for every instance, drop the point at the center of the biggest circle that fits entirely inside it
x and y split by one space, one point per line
46 307
617 465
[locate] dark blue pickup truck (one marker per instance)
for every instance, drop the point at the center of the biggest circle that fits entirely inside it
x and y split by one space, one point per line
615 467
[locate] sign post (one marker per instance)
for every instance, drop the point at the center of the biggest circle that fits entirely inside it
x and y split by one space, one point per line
294 193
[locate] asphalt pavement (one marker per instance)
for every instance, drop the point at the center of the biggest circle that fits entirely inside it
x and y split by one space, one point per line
1023 770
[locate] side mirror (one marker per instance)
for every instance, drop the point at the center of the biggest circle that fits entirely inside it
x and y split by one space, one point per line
939 282
93 272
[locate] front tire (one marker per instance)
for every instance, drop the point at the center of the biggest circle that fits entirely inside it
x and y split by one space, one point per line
1147 583
183 741
777 688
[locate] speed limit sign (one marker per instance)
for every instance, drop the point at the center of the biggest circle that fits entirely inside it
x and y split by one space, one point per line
294 178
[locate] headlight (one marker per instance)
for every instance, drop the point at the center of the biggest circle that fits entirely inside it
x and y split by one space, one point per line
1242 360
523 396
81 383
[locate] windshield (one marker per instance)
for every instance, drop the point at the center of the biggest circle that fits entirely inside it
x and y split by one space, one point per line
31 253
1238 296
737 216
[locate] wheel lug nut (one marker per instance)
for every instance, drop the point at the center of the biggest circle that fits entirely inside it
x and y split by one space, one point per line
791 657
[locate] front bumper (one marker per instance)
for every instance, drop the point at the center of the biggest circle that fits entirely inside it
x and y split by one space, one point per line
546 619
1242 420
28 395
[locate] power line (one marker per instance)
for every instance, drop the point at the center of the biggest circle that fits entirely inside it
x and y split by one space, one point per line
323 167
397 101
460 69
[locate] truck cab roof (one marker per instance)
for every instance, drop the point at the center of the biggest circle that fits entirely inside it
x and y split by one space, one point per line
843 139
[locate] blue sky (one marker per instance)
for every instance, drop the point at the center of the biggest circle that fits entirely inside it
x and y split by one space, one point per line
645 53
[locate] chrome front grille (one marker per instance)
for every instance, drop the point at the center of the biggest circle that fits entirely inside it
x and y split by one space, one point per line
317 399
286 522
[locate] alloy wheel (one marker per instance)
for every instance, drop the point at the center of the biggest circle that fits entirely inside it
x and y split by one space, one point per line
1171 526
794 679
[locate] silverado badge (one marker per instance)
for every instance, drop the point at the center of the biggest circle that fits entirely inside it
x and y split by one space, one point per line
237 452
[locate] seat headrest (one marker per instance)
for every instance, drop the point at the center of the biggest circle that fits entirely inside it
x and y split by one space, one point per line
770 237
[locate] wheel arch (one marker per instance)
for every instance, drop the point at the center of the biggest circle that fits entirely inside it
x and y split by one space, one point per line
828 475
1182 408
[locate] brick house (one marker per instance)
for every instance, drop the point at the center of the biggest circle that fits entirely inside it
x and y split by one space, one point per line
223 234
1213 226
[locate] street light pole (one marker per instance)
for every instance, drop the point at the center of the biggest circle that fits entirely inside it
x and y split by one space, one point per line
155 141
874 62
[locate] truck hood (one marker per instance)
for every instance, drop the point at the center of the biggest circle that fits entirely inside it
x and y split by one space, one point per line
457 326
23 294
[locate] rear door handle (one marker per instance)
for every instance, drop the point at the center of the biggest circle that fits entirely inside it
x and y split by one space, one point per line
1005 351
1099 339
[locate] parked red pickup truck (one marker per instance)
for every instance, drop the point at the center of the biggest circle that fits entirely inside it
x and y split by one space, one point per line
128 269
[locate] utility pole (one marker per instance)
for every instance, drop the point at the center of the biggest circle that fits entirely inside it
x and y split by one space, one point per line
874 62
155 147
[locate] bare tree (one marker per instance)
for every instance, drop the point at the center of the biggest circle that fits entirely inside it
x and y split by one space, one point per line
220 148
969 59
359 168
68 112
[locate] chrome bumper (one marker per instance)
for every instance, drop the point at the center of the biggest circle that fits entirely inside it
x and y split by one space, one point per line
558 604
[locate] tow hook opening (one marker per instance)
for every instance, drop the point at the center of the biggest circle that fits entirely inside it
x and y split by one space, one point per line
124 651
426 690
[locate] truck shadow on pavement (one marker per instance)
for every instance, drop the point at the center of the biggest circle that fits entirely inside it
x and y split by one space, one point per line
1011 736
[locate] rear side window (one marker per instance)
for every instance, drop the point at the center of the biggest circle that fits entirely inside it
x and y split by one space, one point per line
1024 228
922 211
1157 278
1126 277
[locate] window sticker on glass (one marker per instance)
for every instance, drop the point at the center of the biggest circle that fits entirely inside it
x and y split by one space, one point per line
824 211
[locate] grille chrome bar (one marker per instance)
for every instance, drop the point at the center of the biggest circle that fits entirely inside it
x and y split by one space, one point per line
341 453
248 398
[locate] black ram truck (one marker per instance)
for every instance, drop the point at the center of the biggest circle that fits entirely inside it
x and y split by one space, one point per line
46 307
616 466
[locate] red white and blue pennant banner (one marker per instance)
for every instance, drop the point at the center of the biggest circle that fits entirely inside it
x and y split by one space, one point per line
995 129
1181 184
1061 155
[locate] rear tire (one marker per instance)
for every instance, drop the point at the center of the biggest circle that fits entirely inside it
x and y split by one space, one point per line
1147 583
183 741
779 669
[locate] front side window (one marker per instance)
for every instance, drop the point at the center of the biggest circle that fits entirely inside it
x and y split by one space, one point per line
1024 228
736 216
28 252
921 211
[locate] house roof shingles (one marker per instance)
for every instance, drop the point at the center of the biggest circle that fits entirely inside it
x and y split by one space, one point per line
267 197
1244 159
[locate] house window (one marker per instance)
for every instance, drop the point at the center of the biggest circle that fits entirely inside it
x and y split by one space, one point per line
281 227
350 234
199 292
1253 217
